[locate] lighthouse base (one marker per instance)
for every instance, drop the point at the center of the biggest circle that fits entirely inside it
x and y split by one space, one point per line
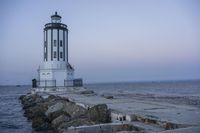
62 77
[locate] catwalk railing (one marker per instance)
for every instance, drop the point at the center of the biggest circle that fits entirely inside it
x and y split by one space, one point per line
46 83
52 83
75 82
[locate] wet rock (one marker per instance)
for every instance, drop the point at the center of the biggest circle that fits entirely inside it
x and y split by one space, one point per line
99 114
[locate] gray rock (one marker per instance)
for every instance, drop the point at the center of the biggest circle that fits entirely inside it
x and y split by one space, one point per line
60 119
87 92
40 124
54 108
22 97
99 114
30 100
35 111
56 98
74 110
107 96
55 111
75 122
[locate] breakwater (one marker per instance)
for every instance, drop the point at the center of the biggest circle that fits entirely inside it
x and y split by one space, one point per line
79 110
57 113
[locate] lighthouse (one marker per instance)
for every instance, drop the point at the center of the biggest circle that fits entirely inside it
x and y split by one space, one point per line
55 69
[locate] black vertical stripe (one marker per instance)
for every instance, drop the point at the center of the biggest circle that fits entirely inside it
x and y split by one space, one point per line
67 44
44 46
58 43
63 45
51 44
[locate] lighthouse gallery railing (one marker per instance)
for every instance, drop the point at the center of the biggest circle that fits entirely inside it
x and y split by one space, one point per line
46 83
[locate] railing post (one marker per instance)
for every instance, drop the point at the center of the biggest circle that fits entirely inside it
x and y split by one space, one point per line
45 83
37 83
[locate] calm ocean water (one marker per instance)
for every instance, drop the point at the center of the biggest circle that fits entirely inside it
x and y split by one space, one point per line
11 113
164 88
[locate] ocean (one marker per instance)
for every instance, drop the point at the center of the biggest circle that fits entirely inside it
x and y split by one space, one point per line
11 113
161 88
13 121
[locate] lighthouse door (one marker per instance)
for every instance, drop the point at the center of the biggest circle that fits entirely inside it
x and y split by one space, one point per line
59 76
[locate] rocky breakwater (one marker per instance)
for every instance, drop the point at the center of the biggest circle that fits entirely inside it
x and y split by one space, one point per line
58 113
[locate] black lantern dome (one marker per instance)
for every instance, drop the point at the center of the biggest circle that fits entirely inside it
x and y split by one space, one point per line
56 18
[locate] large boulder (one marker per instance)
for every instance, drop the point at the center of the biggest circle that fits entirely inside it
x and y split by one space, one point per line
22 97
56 98
35 111
55 111
40 124
52 100
74 110
54 108
86 92
99 113
30 100
60 119
107 96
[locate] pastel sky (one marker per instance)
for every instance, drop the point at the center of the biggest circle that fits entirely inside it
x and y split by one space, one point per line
109 40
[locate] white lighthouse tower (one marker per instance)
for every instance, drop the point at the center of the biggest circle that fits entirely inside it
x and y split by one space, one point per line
55 69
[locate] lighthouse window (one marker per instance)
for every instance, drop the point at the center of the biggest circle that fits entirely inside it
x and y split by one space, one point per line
54 42
54 54
60 43
60 54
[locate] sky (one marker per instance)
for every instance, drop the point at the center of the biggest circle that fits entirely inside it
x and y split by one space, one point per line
109 40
